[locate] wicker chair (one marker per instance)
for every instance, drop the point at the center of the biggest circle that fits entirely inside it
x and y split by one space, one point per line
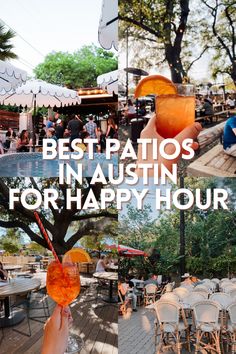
224 300
232 294
181 292
170 325
231 326
206 316
150 293
170 297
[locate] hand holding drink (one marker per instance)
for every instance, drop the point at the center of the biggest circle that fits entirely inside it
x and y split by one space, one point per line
174 118
175 104
63 286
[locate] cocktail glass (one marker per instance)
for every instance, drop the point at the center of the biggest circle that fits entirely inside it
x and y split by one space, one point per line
175 112
63 286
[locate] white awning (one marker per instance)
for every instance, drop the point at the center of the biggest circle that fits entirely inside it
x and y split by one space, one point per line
108 26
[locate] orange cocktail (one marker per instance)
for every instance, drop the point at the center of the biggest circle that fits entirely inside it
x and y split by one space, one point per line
175 103
173 114
63 282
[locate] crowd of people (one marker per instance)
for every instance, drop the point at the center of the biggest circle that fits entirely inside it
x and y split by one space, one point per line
56 128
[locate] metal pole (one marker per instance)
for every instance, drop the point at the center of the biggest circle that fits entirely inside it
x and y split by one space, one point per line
127 64
34 122
182 231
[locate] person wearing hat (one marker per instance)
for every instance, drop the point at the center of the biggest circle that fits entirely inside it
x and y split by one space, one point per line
59 129
186 279
51 134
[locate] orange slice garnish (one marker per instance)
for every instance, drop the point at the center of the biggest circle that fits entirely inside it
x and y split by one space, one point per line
76 255
155 84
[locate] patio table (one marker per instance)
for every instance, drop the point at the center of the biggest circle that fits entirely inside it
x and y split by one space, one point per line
15 287
111 277
12 267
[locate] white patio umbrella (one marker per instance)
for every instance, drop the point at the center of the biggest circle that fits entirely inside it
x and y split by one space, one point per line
109 81
10 76
108 26
40 93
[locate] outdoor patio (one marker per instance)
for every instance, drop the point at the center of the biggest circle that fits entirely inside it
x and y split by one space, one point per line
97 326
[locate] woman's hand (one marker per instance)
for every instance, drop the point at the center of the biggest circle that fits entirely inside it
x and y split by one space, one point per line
56 331
150 132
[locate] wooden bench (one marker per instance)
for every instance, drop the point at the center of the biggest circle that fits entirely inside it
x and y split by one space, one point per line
211 118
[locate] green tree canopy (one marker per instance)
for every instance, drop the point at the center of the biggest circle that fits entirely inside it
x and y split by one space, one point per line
11 241
78 69
219 33
5 44
210 236
66 226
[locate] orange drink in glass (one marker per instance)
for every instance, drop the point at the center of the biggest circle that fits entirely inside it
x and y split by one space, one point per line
175 112
63 282
175 103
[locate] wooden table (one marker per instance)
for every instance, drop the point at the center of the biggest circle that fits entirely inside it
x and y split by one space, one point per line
12 267
111 277
214 162
15 287
33 265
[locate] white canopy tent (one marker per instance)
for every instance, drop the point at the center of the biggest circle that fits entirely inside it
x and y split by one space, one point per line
10 77
40 93
109 81
108 26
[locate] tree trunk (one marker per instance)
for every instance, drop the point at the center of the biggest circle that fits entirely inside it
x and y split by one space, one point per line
233 72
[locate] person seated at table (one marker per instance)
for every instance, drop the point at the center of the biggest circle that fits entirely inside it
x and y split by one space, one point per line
130 111
124 300
229 136
101 264
10 136
152 279
3 273
23 141
127 289
230 102
208 107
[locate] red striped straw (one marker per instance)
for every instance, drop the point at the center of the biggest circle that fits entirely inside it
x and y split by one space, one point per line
45 234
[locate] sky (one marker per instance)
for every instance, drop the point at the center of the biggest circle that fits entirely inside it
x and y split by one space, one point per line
50 25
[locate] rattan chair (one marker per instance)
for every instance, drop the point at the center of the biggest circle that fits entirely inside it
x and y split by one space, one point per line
171 327
231 326
206 316
181 292
170 297
150 293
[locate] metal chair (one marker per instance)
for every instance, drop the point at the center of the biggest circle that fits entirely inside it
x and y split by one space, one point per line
206 316
23 301
170 325
39 301
150 293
